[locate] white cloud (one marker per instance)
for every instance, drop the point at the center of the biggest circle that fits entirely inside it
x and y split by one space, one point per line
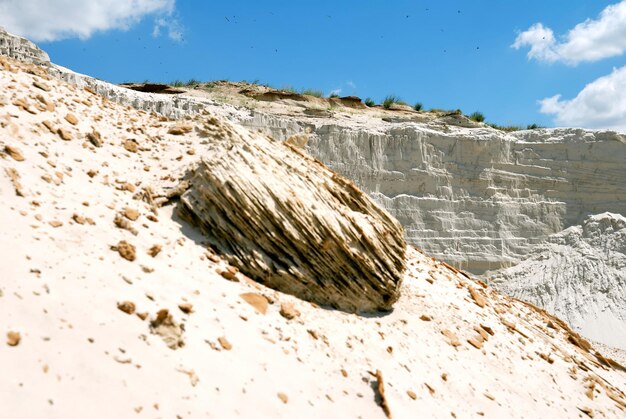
335 92
601 104
591 40
51 20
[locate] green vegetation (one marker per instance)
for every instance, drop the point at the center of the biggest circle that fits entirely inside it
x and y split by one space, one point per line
477 116
369 102
192 82
392 99
333 95
506 128
534 126
177 83
312 92
418 106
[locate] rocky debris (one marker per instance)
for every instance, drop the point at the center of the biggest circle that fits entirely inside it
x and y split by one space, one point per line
478 297
380 389
224 343
258 301
230 273
15 180
14 152
65 134
13 338
180 129
126 250
131 145
131 213
95 138
127 307
282 207
283 397
154 250
170 331
121 222
289 311
71 118
186 308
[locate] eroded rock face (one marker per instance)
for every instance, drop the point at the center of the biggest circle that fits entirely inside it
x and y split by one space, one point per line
289 222
578 274
21 49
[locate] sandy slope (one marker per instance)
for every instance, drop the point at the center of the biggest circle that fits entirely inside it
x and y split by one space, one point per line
449 347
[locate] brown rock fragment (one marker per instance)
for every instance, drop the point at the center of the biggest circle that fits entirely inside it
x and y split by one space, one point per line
186 308
14 152
126 250
180 129
55 223
13 338
283 397
170 331
64 134
15 180
411 394
258 301
131 213
127 307
224 343
479 299
452 338
95 138
41 86
131 146
380 387
229 273
71 118
288 311
154 250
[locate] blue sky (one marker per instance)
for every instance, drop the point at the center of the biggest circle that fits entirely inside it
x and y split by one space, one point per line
445 54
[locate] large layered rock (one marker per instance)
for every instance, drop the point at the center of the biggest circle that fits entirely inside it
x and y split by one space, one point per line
580 275
291 223
21 49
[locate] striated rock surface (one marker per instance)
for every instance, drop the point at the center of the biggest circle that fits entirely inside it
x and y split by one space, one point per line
287 221
578 274
21 49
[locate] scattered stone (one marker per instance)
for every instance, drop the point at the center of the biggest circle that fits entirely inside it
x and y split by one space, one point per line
452 338
170 331
229 273
127 307
258 301
131 213
411 394
14 152
425 317
55 223
123 223
288 311
13 338
186 308
380 387
64 134
131 146
180 129
78 219
41 86
71 118
15 180
193 377
126 250
224 343
476 342
479 299
283 397
154 250
95 138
